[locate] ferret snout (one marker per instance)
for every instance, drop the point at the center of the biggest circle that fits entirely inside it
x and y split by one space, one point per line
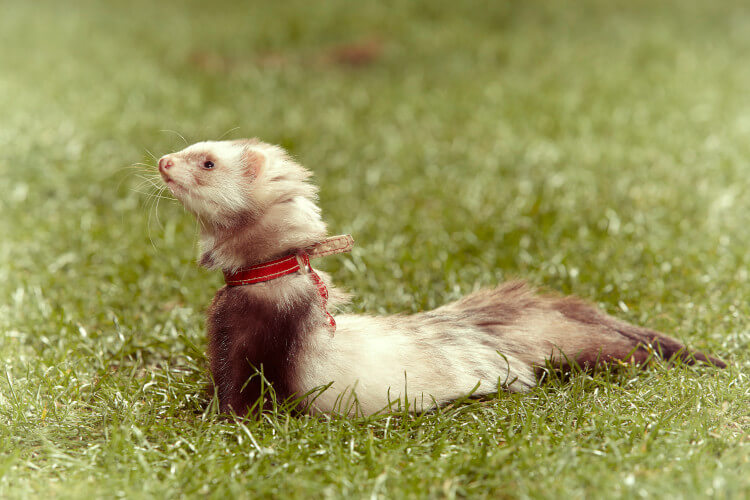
165 162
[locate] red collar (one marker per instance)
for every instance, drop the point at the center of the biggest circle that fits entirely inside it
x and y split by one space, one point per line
265 271
297 262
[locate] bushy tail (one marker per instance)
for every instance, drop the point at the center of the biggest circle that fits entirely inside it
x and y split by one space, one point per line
610 338
540 328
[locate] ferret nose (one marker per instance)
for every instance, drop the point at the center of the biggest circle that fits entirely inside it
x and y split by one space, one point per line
165 162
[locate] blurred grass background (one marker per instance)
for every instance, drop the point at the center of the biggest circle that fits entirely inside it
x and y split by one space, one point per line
598 148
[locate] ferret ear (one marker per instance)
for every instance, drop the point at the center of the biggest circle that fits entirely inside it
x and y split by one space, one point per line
254 163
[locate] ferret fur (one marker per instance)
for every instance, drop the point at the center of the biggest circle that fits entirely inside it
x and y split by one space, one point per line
254 203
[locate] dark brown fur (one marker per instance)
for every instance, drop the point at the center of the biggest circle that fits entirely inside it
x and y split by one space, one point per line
249 334
625 341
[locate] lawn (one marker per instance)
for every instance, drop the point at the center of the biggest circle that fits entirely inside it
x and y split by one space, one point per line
600 148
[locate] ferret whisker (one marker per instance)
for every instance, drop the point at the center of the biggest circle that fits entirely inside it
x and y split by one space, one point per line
150 180
158 196
146 206
142 179
128 171
227 132
123 178
152 155
146 184
153 195
154 209
148 200
143 167
149 193
142 174
177 134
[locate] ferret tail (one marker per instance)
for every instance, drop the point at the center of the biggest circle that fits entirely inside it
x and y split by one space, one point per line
565 330
603 338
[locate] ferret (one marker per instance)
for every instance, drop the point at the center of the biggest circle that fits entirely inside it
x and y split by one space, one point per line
260 224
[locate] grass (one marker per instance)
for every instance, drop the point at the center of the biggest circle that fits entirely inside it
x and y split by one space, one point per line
599 149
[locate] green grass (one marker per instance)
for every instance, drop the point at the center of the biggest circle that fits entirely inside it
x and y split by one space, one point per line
598 148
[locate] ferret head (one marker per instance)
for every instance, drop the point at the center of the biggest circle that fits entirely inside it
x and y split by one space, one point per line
251 199
223 181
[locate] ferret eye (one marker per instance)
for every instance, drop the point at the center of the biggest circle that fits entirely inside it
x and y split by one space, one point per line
208 164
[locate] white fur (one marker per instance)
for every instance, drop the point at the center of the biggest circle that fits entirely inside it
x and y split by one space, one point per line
222 192
378 363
